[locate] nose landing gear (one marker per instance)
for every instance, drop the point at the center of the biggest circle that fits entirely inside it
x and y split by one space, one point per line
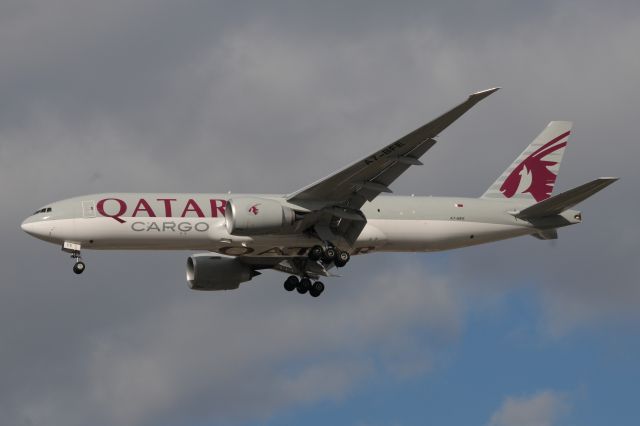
74 249
79 267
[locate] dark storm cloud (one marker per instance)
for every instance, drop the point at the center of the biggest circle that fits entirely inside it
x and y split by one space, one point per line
143 95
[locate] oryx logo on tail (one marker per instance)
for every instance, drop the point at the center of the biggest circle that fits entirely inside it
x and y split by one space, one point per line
534 175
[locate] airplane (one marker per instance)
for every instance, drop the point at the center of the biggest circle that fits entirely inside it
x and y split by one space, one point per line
309 232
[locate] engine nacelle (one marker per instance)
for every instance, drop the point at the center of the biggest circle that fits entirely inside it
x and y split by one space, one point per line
208 273
257 216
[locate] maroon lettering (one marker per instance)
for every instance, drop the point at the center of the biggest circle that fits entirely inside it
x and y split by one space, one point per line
274 250
122 208
218 207
192 206
143 205
363 250
167 206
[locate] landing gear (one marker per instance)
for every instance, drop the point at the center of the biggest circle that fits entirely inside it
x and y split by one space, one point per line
303 286
291 283
329 255
326 255
74 249
316 253
78 268
342 259
316 289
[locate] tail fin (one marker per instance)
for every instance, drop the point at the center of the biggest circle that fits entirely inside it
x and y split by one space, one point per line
532 176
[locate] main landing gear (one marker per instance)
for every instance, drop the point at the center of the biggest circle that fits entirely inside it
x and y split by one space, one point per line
303 286
329 255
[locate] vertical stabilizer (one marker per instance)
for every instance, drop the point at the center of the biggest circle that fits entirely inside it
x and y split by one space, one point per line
532 176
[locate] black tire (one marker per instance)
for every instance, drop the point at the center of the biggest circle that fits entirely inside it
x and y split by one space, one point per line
316 289
315 253
79 267
291 283
329 255
304 285
342 259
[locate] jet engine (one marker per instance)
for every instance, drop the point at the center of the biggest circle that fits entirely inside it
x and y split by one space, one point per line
257 216
209 273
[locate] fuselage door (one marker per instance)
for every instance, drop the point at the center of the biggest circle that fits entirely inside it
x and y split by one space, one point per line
88 209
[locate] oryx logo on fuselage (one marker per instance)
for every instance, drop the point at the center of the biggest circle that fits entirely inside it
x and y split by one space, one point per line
533 175
254 209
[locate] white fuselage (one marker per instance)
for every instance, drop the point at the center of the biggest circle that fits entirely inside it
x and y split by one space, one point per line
196 222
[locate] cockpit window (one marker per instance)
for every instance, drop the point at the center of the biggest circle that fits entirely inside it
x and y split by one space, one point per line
43 210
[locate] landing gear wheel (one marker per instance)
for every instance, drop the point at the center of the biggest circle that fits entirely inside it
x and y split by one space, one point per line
79 267
316 253
342 259
291 283
316 289
329 255
304 285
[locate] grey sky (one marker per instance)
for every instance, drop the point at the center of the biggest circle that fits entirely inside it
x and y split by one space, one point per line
269 96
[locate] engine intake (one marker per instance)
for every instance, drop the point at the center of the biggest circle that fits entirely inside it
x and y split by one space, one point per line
210 273
257 216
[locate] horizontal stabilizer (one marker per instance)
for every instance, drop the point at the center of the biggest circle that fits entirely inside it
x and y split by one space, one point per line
564 201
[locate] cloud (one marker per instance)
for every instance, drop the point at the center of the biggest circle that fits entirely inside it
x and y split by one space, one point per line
164 96
544 408
186 356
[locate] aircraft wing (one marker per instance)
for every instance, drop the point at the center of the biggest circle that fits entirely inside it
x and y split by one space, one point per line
365 179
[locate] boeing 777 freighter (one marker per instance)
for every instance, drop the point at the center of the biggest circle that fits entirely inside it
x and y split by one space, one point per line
309 232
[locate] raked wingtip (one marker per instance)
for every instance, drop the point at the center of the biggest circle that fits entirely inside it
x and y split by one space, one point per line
483 93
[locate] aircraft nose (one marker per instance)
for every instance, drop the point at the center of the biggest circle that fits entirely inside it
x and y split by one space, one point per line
27 225
32 227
